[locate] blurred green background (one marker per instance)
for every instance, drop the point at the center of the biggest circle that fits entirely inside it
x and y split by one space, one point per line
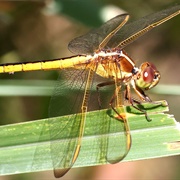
39 30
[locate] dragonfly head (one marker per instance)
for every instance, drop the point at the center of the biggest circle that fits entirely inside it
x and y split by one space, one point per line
148 77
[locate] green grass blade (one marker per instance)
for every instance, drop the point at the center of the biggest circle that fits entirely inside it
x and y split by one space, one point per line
25 147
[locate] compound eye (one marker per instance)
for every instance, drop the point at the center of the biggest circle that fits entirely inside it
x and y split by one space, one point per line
148 74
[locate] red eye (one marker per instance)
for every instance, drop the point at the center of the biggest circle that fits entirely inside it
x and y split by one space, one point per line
148 74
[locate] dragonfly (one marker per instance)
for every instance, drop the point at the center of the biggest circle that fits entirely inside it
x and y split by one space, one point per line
102 64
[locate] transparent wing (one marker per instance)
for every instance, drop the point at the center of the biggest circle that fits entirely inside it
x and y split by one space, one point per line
117 140
119 143
67 100
89 43
133 30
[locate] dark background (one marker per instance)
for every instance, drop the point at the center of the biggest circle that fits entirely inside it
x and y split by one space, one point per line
38 30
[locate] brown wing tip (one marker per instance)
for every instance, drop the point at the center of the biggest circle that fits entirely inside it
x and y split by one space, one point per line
58 173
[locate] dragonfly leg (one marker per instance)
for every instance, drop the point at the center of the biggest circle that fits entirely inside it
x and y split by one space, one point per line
112 101
131 100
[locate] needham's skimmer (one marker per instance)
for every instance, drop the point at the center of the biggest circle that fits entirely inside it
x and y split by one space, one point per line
103 65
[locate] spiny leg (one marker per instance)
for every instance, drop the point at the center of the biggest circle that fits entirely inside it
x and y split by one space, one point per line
132 100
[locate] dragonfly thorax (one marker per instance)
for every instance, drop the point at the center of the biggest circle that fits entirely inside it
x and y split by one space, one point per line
115 64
